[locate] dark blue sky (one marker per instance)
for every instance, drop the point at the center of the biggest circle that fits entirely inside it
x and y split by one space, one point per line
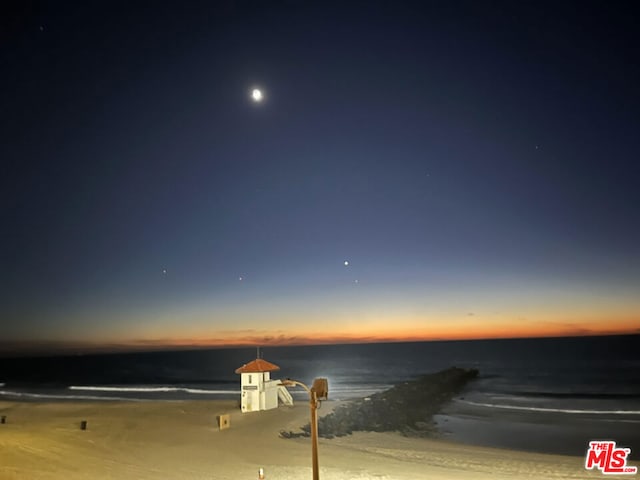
476 163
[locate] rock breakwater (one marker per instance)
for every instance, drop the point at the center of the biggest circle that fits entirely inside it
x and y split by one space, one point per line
407 408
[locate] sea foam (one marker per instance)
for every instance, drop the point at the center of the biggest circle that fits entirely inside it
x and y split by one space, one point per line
161 389
52 396
552 410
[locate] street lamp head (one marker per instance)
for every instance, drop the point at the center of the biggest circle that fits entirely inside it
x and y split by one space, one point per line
321 388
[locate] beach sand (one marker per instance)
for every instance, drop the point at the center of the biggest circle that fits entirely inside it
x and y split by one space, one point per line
181 440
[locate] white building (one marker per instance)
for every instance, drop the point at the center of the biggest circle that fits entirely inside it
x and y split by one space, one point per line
258 391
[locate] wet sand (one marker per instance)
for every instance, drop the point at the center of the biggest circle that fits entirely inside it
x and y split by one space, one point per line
179 440
541 432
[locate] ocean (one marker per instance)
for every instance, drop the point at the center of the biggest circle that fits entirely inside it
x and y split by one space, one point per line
587 382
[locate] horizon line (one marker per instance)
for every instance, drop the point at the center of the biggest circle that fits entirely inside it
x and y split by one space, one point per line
54 348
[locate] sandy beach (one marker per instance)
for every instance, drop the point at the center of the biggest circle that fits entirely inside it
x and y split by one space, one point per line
179 440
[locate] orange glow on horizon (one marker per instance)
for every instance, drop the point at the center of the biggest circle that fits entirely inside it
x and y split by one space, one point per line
434 332
471 327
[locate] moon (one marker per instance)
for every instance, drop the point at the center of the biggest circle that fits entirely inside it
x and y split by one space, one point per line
256 95
346 263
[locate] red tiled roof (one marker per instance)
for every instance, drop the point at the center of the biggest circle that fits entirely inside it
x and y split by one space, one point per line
257 366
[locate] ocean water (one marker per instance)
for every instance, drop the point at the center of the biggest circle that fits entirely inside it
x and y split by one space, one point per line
577 381
589 371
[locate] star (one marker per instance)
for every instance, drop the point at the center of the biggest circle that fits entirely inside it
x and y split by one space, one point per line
256 95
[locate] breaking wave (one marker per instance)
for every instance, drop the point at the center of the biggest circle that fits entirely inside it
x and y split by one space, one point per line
53 396
196 391
552 410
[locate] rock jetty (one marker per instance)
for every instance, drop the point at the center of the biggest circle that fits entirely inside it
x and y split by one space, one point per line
407 408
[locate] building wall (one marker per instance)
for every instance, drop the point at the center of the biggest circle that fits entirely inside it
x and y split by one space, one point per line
250 385
256 393
271 394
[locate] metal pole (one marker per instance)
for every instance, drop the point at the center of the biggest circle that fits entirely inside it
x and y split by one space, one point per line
313 405
314 434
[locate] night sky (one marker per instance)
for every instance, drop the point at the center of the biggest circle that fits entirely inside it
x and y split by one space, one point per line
427 170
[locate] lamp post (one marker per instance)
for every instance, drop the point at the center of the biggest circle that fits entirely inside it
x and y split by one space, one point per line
318 391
